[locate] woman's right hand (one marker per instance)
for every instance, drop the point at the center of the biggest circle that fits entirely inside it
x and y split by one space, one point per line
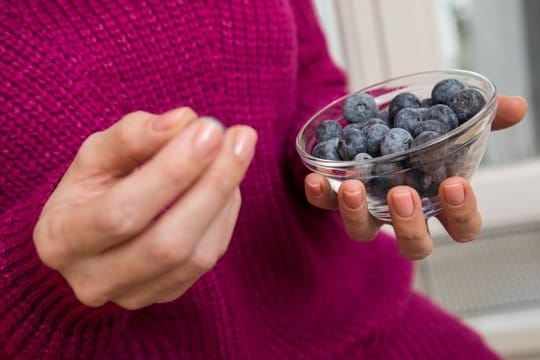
104 228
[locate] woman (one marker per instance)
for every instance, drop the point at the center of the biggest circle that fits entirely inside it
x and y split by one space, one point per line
113 219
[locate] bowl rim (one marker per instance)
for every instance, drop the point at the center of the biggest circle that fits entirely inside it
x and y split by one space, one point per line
482 114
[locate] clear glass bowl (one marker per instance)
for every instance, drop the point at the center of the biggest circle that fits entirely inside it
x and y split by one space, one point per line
456 153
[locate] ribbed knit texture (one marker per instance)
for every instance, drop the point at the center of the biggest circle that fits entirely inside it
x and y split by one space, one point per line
292 284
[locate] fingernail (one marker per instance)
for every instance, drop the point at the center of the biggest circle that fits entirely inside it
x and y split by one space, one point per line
454 194
314 188
520 98
168 120
402 202
353 199
207 137
216 121
243 145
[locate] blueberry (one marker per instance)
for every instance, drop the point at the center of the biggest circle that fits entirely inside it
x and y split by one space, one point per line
327 130
431 179
429 165
408 119
365 125
396 140
327 150
378 187
424 138
362 157
430 125
351 142
401 101
374 136
387 168
363 168
466 103
359 126
458 161
444 114
384 116
359 107
413 178
426 103
387 175
424 112
445 89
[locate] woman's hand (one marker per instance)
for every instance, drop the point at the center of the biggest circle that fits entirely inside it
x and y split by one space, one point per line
104 228
459 214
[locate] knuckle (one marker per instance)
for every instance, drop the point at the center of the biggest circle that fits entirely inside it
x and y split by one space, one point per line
360 234
88 288
221 184
92 141
127 140
166 253
169 298
123 132
177 170
221 251
353 219
461 219
202 262
131 303
164 285
175 293
87 150
188 112
136 115
466 236
414 244
117 220
412 236
51 252
468 226
88 295
417 253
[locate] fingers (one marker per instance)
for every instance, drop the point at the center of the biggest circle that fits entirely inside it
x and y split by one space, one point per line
171 284
359 224
215 187
510 111
412 234
460 215
216 239
128 143
130 205
171 241
139 300
319 193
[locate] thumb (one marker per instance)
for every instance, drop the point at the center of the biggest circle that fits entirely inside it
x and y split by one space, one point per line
118 150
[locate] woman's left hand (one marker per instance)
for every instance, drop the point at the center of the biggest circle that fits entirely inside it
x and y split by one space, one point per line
459 216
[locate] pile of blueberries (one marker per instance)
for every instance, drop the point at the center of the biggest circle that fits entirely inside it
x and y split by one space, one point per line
409 122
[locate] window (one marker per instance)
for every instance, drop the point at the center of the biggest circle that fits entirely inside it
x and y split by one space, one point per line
372 41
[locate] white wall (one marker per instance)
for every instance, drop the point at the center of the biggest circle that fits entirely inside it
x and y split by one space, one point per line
374 41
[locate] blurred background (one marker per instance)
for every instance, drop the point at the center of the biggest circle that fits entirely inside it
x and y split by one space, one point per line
494 282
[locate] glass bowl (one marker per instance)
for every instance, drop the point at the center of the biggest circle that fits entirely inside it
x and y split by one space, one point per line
456 153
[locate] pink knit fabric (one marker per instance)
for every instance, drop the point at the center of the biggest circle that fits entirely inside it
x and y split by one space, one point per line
292 285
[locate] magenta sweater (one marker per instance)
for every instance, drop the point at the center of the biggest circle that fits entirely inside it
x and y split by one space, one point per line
292 284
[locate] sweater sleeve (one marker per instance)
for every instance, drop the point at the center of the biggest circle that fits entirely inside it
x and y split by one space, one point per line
39 315
320 80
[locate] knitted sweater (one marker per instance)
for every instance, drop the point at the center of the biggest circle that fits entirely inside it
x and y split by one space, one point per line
292 284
